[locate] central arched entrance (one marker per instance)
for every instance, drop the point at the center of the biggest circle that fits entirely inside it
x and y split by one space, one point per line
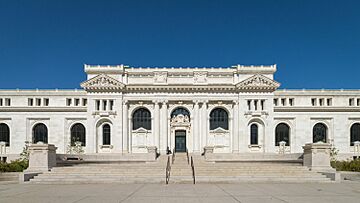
180 141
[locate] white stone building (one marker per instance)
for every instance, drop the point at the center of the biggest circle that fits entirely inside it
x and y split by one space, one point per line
124 109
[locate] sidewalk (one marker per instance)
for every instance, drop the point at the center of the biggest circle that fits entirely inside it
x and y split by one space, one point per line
243 192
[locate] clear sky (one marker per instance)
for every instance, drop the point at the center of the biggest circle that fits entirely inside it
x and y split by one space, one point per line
44 43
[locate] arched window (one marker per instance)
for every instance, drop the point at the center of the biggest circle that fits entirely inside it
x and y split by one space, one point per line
78 134
354 133
40 133
282 133
141 119
319 133
254 133
219 119
180 110
106 134
5 134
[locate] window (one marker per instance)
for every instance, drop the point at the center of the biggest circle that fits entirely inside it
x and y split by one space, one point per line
30 102
321 102
291 102
104 105
219 119
68 102
262 102
254 134
97 105
106 134
282 133
7 102
78 134
275 102
256 105
313 102
111 105
180 110
351 102
46 102
77 102
38 102
40 133
141 119
84 102
5 134
357 102
319 133
1 102
249 104
329 102
354 133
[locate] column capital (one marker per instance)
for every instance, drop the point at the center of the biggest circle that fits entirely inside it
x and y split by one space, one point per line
156 102
164 102
125 102
236 102
196 102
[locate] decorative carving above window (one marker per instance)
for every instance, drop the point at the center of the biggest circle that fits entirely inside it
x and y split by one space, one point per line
258 83
102 82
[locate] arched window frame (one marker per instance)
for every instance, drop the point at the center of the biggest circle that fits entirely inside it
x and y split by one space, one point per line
78 134
254 134
141 118
40 133
180 110
320 131
106 134
5 134
282 134
219 118
354 133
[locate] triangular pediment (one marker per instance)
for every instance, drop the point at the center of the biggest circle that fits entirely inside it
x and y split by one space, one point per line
258 83
140 130
102 82
219 130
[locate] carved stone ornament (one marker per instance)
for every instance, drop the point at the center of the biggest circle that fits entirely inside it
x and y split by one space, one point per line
180 119
258 83
102 82
200 77
160 77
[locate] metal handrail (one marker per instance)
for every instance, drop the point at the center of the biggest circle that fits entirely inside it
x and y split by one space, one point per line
193 169
168 169
173 157
187 156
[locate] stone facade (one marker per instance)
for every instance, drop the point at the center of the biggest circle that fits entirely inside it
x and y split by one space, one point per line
249 96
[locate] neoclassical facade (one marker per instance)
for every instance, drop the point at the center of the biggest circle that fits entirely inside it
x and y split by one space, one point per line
237 109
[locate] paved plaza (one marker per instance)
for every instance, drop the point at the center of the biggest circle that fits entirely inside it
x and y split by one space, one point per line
243 192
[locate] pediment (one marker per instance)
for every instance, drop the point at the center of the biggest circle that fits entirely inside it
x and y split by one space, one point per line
140 130
219 130
258 83
102 82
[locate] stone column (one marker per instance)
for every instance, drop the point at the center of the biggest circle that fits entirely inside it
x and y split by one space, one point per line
164 127
235 140
317 157
157 124
203 122
125 127
252 105
196 127
42 157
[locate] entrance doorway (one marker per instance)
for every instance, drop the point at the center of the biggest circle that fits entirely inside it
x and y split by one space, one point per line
180 141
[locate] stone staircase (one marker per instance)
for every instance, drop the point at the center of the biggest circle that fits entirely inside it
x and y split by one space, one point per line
180 170
9 178
253 171
107 172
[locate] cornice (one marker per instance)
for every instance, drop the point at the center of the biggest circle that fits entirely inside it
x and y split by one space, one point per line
43 109
317 109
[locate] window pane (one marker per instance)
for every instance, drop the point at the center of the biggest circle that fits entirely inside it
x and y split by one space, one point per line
219 119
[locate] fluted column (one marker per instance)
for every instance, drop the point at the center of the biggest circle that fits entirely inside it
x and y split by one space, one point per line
235 140
157 124
196 135
203 121
125 127
164 127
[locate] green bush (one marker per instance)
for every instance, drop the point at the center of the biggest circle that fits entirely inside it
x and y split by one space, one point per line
351 165
14 166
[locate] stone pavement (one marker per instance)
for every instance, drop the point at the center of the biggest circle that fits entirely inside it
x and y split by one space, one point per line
243 192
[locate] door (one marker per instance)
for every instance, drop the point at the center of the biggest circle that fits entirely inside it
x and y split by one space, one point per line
180 141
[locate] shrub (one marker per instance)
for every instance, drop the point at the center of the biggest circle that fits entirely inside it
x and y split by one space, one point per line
350 165
14 166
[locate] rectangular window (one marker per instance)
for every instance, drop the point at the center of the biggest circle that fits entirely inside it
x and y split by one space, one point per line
256 105
351 102
358 102
97 105
1 102
262 104
275 102
77 102
30 102
68 102
283 102
104 105
291 102
321 102
46 101
84 102
313 102
329 102
111 105
38 102
249 104
7 102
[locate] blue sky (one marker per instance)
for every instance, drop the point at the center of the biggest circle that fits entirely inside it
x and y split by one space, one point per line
44 43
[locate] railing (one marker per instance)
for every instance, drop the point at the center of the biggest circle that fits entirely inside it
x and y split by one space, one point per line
173 157
168 169
193 169
187 155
